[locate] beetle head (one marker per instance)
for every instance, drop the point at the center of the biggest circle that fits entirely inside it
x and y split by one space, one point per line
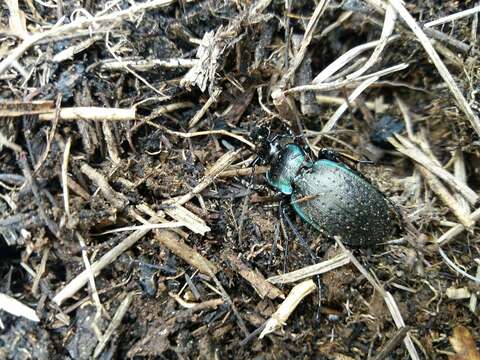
267 143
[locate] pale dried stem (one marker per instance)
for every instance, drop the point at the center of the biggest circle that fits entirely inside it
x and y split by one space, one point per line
40 270
198 116
185 252
312 270
114 324
286 308
342 108
147 64
442 69
66 157
91 113
244 171
339 84
453 17
17 308
387 30
389 300
79 24
211 174
81 279
407 148
118 200
344 59
256 279
448 199
93 287
456 230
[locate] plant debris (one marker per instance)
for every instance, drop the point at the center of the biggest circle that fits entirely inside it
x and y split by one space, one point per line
135 219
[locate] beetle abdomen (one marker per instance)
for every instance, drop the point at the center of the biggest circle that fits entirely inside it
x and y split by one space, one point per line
339 202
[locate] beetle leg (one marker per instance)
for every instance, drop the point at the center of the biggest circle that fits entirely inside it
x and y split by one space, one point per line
304 243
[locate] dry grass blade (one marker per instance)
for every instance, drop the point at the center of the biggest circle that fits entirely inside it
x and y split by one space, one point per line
342 108
442 69
312 270
457 229
81 279
387 30
407 148
75 26
114 324
453 17
339 84
17 308
346 58
186 217
389 301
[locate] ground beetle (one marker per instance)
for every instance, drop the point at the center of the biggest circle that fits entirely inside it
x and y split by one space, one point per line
328 194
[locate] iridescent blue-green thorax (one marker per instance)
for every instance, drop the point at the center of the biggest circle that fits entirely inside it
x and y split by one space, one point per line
332 197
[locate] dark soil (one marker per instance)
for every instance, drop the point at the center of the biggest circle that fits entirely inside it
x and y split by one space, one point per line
151 158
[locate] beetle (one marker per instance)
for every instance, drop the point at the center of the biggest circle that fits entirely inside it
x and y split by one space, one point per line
328 194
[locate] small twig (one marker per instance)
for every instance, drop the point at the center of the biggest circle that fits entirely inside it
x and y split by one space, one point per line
211 174
185 252
40 270
81 279
198 116
9 144
286 308
145 226
312 270
66 156
456 230
387 297
342 108
70 52
118 200
255 278
442 192
91 113
189 219
257 170
21 108
455 268
392 343
147 64
93 287
114 324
